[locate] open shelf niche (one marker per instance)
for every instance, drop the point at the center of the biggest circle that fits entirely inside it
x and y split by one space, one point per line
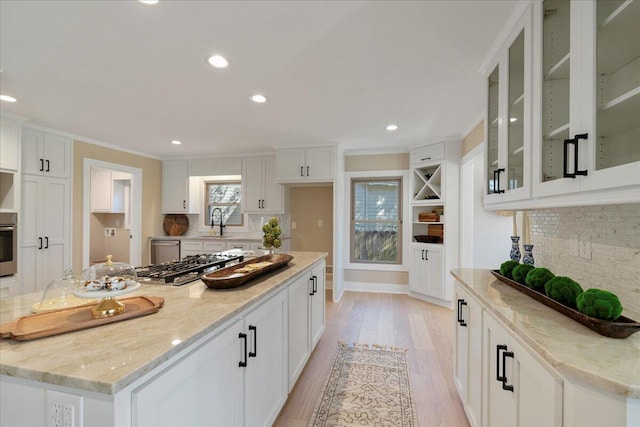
427 182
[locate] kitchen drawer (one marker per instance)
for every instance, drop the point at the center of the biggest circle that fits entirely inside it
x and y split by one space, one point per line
190 246
245 246
428 153
213 247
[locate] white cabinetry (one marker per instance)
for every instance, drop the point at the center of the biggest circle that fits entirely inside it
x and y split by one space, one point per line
434 191
176 193
306 318
588 89
305 164
427 274
44 231
508 129
45 153
213 167
266 364
9 144
189 248
518 390
108 193
203 388
467 367
261 193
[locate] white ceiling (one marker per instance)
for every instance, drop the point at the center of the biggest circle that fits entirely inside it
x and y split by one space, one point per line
136 76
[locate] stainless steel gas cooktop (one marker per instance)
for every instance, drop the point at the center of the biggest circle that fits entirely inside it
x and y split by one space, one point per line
178 273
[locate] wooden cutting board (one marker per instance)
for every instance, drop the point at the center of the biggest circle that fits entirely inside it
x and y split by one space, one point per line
175 224
72 319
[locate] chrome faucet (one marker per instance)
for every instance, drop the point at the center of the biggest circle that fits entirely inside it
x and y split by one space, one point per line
213 222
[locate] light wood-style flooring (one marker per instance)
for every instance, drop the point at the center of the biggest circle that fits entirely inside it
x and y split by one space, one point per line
371 318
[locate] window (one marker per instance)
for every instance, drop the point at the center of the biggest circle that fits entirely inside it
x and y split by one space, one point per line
226 196
376 220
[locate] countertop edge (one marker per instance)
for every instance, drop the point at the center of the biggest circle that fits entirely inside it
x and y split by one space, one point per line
562 367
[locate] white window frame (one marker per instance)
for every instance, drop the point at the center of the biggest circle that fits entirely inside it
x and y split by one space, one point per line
406 219
200 190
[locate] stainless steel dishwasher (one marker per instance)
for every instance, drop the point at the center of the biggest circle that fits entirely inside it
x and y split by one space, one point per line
165 251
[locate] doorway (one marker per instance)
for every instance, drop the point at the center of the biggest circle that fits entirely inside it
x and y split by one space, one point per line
111 213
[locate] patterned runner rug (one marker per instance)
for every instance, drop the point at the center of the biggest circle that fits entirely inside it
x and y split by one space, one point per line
368 386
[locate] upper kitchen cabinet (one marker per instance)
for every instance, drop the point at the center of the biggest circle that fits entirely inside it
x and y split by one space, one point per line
508 119
110 191
261 192
45 153
588 126
316 164
176 197
9 144
213 167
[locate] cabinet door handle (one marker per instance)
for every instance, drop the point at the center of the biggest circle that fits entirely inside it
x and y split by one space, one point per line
425 158
243 364
48 170
301 170
459 311
426 254
499 347
497 173
184 204
506 386
307 170
46 244
311 280
565 165
254 353
576 139
462 322
315 284
41 165
40 238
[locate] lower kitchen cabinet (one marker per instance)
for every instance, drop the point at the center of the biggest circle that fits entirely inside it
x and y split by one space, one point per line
317 304
517 389
427 272
203 388
467 367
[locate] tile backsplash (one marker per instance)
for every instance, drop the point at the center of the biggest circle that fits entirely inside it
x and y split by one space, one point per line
252 230
614 234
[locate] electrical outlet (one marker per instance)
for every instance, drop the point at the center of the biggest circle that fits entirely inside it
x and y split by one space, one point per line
320 223
63 409
293 225
585 248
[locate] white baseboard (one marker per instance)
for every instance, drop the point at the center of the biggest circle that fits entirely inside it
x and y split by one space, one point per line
388 288
436 301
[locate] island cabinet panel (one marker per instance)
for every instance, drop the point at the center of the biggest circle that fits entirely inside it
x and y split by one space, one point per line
202 389
299 331
467 367
266 385
317 304
516 386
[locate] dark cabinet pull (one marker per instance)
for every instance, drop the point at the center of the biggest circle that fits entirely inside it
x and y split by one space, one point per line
459 311
499 347
46 245
41 165
423 254
425 158
565 165
48 170
426 254
243 364
315 284
184 204
301 170
254 353
496 180
307 170
40 238
506 386
312 287
577 138
462 322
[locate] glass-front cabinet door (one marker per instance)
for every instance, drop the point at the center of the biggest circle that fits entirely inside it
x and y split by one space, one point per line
587 96
508 130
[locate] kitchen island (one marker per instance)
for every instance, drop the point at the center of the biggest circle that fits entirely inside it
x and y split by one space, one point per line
514 356
129 372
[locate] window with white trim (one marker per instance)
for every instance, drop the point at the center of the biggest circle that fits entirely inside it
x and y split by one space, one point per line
376 220
227 196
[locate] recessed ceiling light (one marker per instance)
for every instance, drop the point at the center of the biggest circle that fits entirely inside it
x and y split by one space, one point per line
7 98
513 119
148 1
218 61
259 98
176 142
392 127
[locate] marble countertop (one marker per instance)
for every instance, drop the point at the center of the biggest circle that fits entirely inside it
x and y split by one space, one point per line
107 358
575 351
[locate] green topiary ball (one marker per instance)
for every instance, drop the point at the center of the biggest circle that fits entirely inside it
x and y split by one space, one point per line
520 272
564 290
599 303
537 278
506 268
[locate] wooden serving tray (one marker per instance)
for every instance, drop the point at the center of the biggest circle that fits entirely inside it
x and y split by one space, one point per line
229 277
72 319
622 327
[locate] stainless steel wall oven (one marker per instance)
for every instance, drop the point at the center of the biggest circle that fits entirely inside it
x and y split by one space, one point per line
8 244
